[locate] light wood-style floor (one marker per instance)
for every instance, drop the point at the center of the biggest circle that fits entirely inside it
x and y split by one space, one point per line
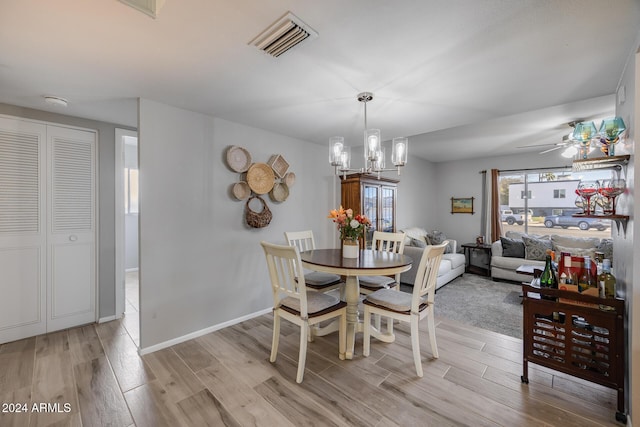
225 378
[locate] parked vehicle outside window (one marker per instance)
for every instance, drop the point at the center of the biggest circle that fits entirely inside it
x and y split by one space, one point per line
566 221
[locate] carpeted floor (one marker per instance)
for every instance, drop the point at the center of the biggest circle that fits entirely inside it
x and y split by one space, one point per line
481 302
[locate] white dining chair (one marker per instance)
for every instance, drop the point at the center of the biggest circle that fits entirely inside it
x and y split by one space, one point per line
316 280
384 242
409 307
292 302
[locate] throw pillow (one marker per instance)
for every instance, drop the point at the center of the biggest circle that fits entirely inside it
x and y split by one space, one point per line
436 237
512 248
575 251
417 243
536 249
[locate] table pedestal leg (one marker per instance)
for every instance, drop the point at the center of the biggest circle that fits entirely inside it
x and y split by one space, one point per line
351 297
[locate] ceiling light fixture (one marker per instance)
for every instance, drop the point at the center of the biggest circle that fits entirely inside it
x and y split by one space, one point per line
56 101
374 152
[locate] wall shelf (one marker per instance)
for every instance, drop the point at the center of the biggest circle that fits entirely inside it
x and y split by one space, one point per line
612 162
617 163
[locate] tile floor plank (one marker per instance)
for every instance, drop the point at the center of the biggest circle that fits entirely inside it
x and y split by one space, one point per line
225 377
203 409
249 408
131 371
173 374
100 398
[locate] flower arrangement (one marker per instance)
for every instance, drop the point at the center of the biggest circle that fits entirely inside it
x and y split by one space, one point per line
350 227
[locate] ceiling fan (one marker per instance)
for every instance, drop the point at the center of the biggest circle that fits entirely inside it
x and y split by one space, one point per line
566 140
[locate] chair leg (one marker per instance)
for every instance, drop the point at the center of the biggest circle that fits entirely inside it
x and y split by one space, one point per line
276 337
390 325
432 332
366 332
342 336
377 322
304 331
415 344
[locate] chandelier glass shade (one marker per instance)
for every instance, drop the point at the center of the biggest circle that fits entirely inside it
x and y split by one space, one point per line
374 151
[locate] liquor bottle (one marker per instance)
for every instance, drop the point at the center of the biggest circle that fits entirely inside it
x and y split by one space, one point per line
609 280
586 278
548 277
567 277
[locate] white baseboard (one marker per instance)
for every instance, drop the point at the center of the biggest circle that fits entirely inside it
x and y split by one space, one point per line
201 332
106 319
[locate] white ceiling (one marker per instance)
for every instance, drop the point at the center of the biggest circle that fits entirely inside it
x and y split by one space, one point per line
463 78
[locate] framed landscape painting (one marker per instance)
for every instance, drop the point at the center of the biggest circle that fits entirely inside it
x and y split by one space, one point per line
462 205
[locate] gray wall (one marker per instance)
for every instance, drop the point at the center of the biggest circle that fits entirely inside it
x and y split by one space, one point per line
106 189
463 179
200 264
628 248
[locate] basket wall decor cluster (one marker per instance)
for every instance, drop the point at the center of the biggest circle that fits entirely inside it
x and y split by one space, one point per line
256 179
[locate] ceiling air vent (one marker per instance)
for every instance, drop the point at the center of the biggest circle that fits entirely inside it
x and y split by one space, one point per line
282 35
150 7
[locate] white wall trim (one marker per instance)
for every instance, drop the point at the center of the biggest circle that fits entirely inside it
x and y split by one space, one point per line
201 332
107 319
131 270
119 218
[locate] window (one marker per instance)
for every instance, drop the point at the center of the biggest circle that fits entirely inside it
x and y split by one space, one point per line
130 191
559 193
548 196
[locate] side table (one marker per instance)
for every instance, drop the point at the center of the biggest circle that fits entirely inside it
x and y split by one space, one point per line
482 256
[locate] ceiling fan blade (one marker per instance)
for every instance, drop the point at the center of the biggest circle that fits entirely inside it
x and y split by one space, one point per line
552 149
536 145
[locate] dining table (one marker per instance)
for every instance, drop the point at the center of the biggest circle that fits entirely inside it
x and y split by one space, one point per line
368 263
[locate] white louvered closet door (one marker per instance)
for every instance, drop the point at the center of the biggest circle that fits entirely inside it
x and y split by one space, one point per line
23 271
71 241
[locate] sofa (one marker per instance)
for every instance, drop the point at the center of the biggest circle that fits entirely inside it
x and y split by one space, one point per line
516 249
452 264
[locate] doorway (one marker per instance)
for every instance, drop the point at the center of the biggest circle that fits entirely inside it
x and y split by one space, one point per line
127 211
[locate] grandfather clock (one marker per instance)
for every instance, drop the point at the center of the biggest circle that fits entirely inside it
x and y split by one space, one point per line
373 197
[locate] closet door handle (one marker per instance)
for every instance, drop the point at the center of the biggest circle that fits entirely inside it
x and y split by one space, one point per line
73 238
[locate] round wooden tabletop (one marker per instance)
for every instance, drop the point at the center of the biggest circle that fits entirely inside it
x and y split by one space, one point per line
368 263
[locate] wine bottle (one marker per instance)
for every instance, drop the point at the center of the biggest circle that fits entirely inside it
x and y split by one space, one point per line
608 279
586 278
548 277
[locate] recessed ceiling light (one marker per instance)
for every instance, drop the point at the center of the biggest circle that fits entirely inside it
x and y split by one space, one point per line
56 101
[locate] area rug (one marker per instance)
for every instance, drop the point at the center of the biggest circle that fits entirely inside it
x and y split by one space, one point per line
479 301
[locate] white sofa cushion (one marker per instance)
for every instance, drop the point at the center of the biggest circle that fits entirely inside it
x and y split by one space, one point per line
456 260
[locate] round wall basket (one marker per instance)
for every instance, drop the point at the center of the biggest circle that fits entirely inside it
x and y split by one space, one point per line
241 190
289 179
279 193
260 178
238 158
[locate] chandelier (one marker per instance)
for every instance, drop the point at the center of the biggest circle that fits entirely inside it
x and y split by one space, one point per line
374 152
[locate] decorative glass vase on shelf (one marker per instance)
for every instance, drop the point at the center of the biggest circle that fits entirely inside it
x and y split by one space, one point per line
351 229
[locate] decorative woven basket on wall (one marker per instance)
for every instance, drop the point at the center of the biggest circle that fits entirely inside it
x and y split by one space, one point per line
258 219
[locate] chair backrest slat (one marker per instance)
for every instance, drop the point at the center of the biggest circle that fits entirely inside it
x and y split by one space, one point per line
303 240
388 242
283 262
427 275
